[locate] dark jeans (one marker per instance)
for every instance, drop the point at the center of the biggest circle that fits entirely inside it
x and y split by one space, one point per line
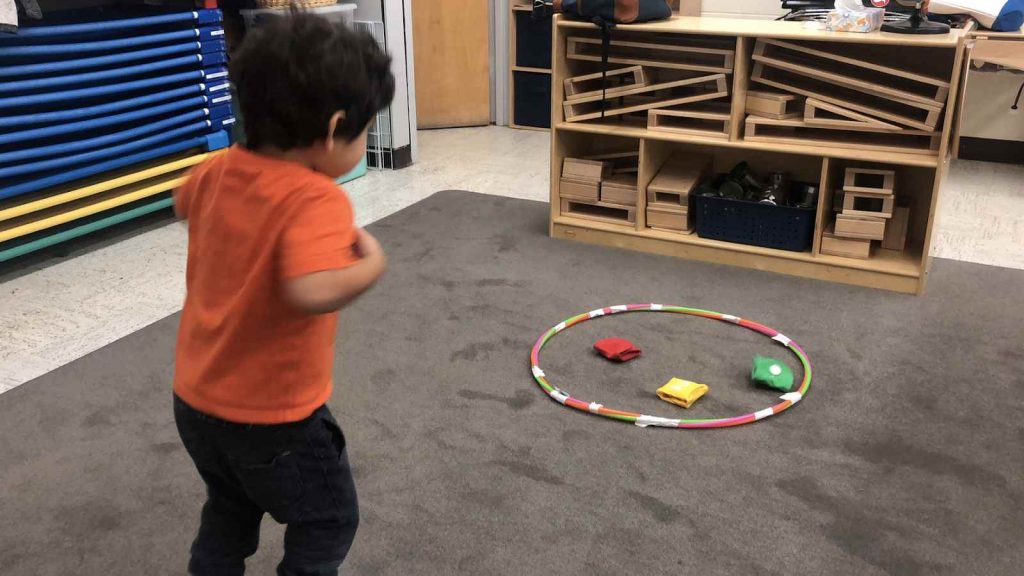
296 472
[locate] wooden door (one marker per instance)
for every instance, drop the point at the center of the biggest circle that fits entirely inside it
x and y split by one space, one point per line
450 47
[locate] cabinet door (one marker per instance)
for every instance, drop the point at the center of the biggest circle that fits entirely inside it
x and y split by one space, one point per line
450 47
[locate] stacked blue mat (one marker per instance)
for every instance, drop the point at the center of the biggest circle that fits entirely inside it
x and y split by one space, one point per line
81 99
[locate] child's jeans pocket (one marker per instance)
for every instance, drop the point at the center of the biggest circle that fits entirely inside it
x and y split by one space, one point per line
275 485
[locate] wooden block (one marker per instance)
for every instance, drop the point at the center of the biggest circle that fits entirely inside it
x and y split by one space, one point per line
619 189
847 247
680 173
860 204
869 181
720 90
896 231
583 86
894 111
598 211
798 132
625 162
678 55
861 227
667 219
827 72
819 113
935 88
573 107
581 169
696 122
771 104
580 189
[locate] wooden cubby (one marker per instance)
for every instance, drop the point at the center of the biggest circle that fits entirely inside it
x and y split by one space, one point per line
904 128
529 77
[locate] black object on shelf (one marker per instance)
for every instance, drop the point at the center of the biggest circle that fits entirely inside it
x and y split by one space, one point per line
533 41
745 222
532 106
918 23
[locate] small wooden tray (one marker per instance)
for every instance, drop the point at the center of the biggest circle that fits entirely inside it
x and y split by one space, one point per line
851 206
696 122
675 56
772 104
694 93
599 211
575 87
799 132
812 88
860 227
582 169
819 113
846 247
589 190
619 189
869 181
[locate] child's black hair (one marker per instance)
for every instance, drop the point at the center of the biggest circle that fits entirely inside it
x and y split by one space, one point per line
292 73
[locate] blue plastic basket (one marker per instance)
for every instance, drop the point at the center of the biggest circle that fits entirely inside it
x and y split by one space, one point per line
745 222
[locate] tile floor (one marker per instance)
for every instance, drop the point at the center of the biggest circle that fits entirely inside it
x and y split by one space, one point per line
65 308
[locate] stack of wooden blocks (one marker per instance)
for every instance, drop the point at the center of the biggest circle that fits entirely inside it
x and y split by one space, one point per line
601 187
671 86
827 97
668 194
868 212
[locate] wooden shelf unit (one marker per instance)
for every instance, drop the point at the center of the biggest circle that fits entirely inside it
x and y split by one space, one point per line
919 173
517 7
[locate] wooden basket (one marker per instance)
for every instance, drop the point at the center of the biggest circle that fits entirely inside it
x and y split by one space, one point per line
296 3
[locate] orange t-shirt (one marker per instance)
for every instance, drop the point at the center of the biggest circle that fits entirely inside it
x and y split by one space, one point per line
244 354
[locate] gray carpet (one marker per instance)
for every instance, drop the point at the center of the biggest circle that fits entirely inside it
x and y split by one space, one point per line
906 457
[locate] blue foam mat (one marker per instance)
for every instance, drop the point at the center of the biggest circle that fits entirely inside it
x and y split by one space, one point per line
76 114
197 34
216 74
47 82
210 142
199 17
212 51
41 166
65 148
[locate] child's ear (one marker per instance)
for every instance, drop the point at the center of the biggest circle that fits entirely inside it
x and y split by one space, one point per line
332 127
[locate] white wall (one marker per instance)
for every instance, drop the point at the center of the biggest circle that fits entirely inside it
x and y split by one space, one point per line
757 9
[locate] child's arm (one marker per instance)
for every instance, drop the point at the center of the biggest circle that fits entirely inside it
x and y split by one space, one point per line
330 290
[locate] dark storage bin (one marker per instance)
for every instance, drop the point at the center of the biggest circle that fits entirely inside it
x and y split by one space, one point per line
532 95
533 41
745 222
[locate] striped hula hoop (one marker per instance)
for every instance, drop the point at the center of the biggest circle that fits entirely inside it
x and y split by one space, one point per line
787 400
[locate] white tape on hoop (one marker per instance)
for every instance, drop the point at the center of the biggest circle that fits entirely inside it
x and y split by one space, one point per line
596 313
731 318
594 407
656 307
782 339
560 327
537 372
558 395
619 308
793 397
644 421
763 413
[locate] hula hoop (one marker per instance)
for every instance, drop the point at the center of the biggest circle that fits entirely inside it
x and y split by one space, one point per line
642 420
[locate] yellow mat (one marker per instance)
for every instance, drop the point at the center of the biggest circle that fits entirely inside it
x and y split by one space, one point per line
66 194
98 202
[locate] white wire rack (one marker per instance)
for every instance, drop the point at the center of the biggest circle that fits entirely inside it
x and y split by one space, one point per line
378 143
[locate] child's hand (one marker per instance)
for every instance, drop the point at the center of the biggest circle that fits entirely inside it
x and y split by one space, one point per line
366 245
